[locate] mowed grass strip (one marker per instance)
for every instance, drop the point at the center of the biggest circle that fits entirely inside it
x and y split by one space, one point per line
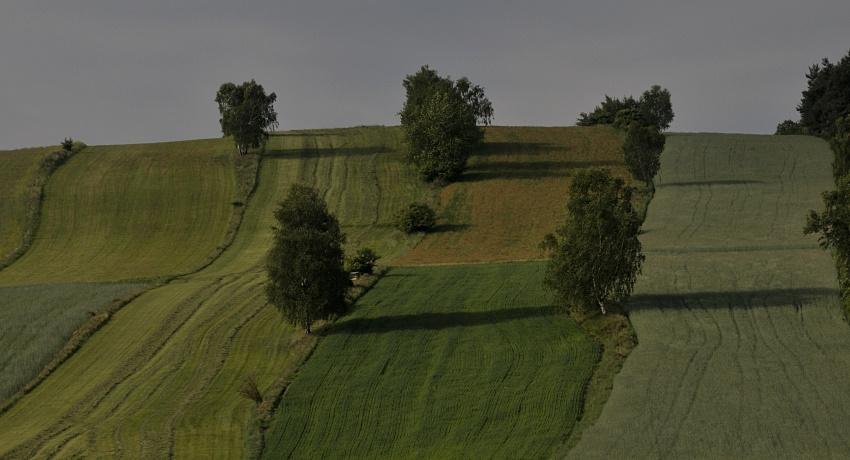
742 347
440 362
162 376
130 212
37 320
18 169
514 193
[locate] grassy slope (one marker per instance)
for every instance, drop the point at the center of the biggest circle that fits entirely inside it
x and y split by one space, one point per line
742 348
439 362
161 376
18 169
127 212
514 193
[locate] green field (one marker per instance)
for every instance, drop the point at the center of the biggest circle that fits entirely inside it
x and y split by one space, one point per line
162 376
18 170
440 362
128 212
742 349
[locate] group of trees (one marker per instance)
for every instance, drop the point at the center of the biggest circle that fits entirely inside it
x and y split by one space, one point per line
825 99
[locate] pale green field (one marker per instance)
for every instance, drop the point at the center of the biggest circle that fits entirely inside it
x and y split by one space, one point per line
440 362
742 349
18 169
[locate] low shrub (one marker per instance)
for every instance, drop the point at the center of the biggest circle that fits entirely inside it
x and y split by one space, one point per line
363 261
418 217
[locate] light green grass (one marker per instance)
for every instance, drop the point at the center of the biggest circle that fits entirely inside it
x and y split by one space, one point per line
742 349
162 376
128 212
37 320
440 362
18 169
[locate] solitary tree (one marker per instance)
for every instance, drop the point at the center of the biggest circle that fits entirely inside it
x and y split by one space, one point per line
642 151
441 120
833 224
307 280
596 254
247 114
656 108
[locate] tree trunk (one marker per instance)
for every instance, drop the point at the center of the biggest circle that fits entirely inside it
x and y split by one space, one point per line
308 329
602 307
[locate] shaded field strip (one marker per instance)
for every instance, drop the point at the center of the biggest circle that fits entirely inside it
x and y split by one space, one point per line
797 297
736 249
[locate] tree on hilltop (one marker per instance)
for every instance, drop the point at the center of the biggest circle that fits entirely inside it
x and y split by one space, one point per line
595 255
247 114
307 279
642 151
440 119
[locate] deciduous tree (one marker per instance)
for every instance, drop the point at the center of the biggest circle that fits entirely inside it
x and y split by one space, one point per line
247 114
307 280
642 151
596 254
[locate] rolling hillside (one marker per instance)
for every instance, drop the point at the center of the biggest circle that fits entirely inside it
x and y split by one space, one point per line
161 377
742 349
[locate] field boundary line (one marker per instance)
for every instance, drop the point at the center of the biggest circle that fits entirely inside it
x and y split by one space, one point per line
48 165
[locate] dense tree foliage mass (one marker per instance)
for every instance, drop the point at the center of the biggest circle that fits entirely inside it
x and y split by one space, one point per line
642 151
441 119
827 96
596 254
418 217
833 223
307 280
653 108
247 114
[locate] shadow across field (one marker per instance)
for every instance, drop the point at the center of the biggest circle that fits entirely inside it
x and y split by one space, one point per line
710 182
436 321
797 297
307 153
491 170
514 148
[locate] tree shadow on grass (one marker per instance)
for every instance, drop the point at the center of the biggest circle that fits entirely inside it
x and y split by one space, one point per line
436 321
796 297
710 182
307 153
490 170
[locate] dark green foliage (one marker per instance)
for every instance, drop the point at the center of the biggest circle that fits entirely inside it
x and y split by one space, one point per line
827 95
418 217
307 280
440 119
642 151
606 113
653 108
840 143
247 114
596 254
68 144
363 261
833 224
789 127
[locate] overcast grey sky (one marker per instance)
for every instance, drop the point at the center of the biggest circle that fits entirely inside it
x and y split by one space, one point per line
126 71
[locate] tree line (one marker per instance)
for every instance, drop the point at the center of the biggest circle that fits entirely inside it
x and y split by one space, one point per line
594 257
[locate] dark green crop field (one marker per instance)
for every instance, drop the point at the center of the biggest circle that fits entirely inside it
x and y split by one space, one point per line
742 349
440 362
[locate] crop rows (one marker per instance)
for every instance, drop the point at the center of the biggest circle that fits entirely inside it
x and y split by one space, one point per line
742 347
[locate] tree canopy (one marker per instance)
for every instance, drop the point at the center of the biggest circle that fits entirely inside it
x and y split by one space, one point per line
653 108
440 119
596 254
247 114
826 97
833 223
642 151
307 279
